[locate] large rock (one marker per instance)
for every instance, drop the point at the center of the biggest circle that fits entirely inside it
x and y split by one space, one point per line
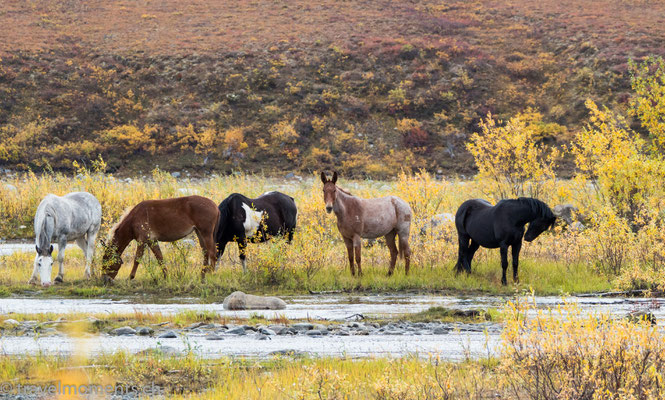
242 301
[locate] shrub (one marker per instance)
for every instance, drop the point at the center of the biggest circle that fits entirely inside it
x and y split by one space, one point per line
510 161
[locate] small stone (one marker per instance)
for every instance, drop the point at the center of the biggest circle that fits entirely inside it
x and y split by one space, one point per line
343 332
194 326
124 331
313 332
267 331
168 335
11 322
288 352
213 336
144 331
302 326
440 330
175 174
239 330
260 336
160 350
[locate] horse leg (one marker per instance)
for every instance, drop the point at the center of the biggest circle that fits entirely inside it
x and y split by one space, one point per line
516 257
349 250
154 246
405 250
207 243
62 244
357 246
461 255
139 253
471 251
90 251
242 253
504 263
33 279
390 241
82 242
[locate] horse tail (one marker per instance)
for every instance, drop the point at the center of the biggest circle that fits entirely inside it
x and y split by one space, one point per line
222 221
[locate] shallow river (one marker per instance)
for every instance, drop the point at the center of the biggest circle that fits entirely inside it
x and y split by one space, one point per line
457 343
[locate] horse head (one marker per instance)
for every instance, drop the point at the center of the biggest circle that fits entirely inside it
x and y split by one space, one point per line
538 226
111 261
329 190
44 263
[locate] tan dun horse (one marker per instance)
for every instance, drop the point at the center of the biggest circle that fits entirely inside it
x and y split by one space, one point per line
369 219
168 220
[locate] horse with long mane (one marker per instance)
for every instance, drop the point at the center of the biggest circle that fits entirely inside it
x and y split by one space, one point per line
243 220
359 219
74 216
166 220
481 224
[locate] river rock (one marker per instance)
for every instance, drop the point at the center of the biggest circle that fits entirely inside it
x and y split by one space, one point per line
440 330
639 316
302 326
241 301
267 331
168 335
213 336
288 352
124 331
195 325
11 322
144 330
313 332
238 330
160 350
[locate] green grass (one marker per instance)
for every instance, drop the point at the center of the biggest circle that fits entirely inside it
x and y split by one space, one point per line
183 279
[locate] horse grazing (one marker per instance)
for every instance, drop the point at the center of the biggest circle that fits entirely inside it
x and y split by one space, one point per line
499 226
242 219
75 216
167 220
368 219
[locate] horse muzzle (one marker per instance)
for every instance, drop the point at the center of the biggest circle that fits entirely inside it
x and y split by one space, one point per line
329 209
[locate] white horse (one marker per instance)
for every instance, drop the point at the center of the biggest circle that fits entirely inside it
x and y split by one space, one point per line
75 216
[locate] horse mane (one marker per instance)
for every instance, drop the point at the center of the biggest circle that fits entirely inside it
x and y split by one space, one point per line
223 214
344 191
538 207
117 224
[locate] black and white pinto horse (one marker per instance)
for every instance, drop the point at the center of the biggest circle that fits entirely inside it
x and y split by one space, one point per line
75 216
243 220
481 224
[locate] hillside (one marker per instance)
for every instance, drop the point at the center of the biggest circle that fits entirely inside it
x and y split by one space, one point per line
366 87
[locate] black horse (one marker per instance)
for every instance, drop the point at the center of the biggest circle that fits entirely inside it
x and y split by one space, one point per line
242 219
499 226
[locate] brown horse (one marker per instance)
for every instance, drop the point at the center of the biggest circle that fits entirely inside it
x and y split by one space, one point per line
369 218
168 220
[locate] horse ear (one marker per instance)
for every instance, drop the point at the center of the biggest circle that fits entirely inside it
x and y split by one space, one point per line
323 177
37 249
334 178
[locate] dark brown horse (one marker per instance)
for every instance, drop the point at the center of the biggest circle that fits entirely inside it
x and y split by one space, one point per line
359 219
168 220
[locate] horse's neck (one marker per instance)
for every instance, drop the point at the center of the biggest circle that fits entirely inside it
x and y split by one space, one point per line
525 215
343 203
121 237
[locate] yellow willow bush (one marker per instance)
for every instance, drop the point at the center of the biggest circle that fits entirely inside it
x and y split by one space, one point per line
510 161
648 82
564 354
612 156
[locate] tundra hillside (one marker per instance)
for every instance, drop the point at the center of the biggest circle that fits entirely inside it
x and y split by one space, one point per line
305 85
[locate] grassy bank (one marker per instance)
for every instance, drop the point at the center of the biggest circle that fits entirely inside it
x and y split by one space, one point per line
184 279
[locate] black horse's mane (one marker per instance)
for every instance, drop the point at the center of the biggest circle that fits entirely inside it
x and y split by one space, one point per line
537 207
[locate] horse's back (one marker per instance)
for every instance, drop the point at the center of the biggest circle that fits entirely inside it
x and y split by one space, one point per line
471 208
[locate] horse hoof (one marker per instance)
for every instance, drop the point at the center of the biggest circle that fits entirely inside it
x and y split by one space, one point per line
58 279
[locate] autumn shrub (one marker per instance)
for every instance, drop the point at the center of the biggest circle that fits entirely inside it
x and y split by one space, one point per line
510 160
564 354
